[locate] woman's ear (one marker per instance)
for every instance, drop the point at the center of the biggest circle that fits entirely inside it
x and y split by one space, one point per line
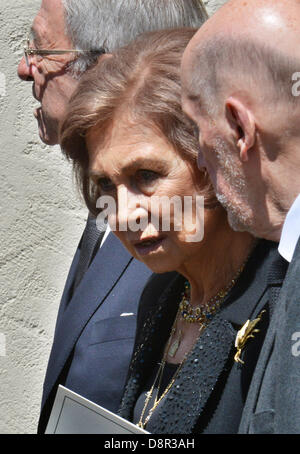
242 121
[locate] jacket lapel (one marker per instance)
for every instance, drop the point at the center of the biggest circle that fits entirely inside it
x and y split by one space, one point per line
276 276
67 293
91 292
286 353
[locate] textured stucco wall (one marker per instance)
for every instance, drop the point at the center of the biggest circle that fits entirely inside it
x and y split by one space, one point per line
41 222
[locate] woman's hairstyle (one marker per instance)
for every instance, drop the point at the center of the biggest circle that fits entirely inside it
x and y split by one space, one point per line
142 81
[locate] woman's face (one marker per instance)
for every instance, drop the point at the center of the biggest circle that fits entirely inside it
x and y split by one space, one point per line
154 191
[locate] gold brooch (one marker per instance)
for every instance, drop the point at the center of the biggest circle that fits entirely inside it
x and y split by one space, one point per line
245 333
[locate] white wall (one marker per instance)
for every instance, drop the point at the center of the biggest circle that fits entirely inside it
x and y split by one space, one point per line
42 220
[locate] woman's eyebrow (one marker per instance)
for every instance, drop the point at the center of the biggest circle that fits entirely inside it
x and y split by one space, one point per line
140 163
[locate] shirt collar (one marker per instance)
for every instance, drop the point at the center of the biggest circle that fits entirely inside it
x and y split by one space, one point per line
290 231
107 232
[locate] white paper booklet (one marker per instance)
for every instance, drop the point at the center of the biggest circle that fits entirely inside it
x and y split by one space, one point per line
73 414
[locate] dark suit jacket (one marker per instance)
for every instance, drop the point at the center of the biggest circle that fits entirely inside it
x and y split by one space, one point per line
210 391
93 343
273 403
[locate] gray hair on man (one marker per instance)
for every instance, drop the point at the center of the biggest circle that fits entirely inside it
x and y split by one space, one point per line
110 24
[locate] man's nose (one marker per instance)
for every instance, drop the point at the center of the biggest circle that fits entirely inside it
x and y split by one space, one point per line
24 71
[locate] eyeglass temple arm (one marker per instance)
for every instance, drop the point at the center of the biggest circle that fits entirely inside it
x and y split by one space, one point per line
61 51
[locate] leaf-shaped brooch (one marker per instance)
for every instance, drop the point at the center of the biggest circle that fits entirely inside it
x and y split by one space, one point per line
246 332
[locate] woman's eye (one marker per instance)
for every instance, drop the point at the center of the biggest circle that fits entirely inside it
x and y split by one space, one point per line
105 185
146 177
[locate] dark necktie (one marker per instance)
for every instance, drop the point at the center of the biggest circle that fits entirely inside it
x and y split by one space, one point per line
90 243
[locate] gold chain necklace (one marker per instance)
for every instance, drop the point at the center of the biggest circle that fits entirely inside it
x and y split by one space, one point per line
201 314
158 378
203 319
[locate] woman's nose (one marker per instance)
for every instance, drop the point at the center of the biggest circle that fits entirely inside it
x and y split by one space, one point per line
24 71
130 210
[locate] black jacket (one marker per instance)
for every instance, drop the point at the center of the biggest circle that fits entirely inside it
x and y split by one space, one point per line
209 393
273 403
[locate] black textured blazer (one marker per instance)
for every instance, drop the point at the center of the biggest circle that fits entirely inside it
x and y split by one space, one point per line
209 393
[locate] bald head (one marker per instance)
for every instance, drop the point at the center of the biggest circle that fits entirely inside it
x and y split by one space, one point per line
238 87
260 20
246 46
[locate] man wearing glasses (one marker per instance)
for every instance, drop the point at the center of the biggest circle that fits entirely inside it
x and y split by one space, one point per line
95 326
47 63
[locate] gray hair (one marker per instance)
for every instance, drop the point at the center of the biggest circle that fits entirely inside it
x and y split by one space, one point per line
94 24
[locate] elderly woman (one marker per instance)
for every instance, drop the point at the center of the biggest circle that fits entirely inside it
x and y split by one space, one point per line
131 143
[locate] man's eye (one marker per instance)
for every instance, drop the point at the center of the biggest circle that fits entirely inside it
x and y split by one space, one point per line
105 185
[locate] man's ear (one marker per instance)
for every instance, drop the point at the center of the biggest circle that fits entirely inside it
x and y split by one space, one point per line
243 122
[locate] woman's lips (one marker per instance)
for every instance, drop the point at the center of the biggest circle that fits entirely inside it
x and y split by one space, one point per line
147 245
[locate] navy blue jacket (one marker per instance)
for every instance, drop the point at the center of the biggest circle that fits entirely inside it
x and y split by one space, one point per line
93 341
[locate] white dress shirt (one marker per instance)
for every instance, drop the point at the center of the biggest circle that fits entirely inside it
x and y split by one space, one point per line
290 231
107 232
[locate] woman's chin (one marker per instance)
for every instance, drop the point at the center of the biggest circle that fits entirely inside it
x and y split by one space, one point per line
155 255
158 265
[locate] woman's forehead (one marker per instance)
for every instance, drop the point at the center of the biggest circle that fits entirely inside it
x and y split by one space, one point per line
127 139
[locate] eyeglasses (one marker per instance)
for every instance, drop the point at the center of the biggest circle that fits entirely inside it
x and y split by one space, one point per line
29 51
